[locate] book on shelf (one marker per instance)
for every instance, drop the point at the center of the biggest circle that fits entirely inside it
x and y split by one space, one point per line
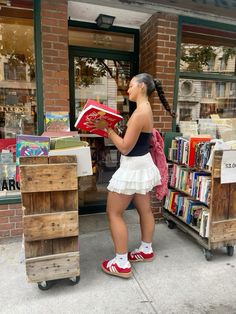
204 225
169 138
193 141
91 118
30 145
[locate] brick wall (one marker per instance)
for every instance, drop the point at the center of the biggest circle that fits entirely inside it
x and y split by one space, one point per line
157 57
54 30
10 220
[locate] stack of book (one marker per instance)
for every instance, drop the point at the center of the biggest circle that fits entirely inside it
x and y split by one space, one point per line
195 183
192 212
193 151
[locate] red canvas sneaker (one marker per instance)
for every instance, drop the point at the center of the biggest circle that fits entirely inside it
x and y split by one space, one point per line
138 256
113 269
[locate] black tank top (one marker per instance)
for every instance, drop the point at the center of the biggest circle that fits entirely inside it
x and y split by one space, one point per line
142 146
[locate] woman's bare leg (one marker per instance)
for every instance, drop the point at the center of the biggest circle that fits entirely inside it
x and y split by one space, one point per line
116 205
147 222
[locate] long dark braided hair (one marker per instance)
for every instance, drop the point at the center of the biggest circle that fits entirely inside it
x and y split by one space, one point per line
151 85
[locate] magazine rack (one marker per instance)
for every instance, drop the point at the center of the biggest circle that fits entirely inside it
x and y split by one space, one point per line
49 189
222 214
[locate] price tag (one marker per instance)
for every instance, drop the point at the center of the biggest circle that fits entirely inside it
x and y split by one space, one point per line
228 167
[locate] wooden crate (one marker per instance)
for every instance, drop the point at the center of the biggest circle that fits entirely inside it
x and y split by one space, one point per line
49 188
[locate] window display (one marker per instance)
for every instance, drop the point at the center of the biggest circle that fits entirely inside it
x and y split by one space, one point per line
17 95
207 84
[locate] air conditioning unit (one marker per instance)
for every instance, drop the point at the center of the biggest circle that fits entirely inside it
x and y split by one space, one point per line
186 88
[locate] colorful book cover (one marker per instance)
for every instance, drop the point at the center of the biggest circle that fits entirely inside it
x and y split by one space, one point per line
92 116
31 145
8 144
57 121
193 140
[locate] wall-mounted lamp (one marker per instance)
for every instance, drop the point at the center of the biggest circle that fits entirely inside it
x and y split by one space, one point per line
105 21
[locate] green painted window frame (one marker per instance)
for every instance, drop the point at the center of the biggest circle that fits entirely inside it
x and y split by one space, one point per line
193 75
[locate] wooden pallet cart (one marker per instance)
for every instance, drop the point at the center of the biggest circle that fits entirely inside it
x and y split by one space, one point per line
222 214
49 189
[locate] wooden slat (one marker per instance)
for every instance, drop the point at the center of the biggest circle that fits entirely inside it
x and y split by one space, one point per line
53 267
62 159
50 226
232 200
53 177
36 203
223 231
64 200
219 200
216 167
37 160
38 248
64 245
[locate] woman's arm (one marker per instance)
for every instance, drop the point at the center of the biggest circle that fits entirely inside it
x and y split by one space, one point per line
134 128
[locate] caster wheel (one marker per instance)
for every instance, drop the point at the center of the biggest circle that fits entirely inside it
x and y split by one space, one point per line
45 285
171 224
230 250
208 254
74 280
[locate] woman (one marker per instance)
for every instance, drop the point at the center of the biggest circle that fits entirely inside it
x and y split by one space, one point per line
135 178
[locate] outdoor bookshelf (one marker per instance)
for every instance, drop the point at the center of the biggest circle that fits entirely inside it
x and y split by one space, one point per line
49 189
222 213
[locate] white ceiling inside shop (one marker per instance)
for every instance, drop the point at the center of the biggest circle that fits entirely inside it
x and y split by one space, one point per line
88 13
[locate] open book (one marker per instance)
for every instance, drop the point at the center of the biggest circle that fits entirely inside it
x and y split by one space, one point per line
92 116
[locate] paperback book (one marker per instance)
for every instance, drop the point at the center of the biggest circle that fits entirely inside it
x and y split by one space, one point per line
91 118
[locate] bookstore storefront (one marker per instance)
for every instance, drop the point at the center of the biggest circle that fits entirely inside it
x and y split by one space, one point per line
51 65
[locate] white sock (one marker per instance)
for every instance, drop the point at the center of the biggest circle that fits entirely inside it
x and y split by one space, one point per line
146 247
122 260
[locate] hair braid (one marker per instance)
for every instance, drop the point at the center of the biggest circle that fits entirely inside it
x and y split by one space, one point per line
162 97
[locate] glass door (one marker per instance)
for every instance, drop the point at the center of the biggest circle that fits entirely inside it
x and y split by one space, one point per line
105 80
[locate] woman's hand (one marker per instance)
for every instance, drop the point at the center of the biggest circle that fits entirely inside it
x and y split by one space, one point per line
101 124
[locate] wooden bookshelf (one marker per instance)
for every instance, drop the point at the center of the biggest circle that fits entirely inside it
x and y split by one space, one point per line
49 189
222 214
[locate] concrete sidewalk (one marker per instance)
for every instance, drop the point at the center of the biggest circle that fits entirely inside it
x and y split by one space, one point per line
179 280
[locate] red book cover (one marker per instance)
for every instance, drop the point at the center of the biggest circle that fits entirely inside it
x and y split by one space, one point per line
92 113
193 140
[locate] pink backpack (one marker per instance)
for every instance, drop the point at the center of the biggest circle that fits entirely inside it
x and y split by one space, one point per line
159 158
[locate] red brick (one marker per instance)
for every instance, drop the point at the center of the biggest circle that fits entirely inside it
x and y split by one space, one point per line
3 207
4 233
19 225
7 213
16 232
15 206
15 219
19 212
4 220
7 226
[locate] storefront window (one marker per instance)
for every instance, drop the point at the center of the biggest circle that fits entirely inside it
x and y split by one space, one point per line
207 84
17 94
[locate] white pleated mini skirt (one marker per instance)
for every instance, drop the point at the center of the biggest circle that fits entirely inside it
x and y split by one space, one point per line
136 174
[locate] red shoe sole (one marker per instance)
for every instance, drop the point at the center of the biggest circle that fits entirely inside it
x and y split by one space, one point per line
124 275
142 260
